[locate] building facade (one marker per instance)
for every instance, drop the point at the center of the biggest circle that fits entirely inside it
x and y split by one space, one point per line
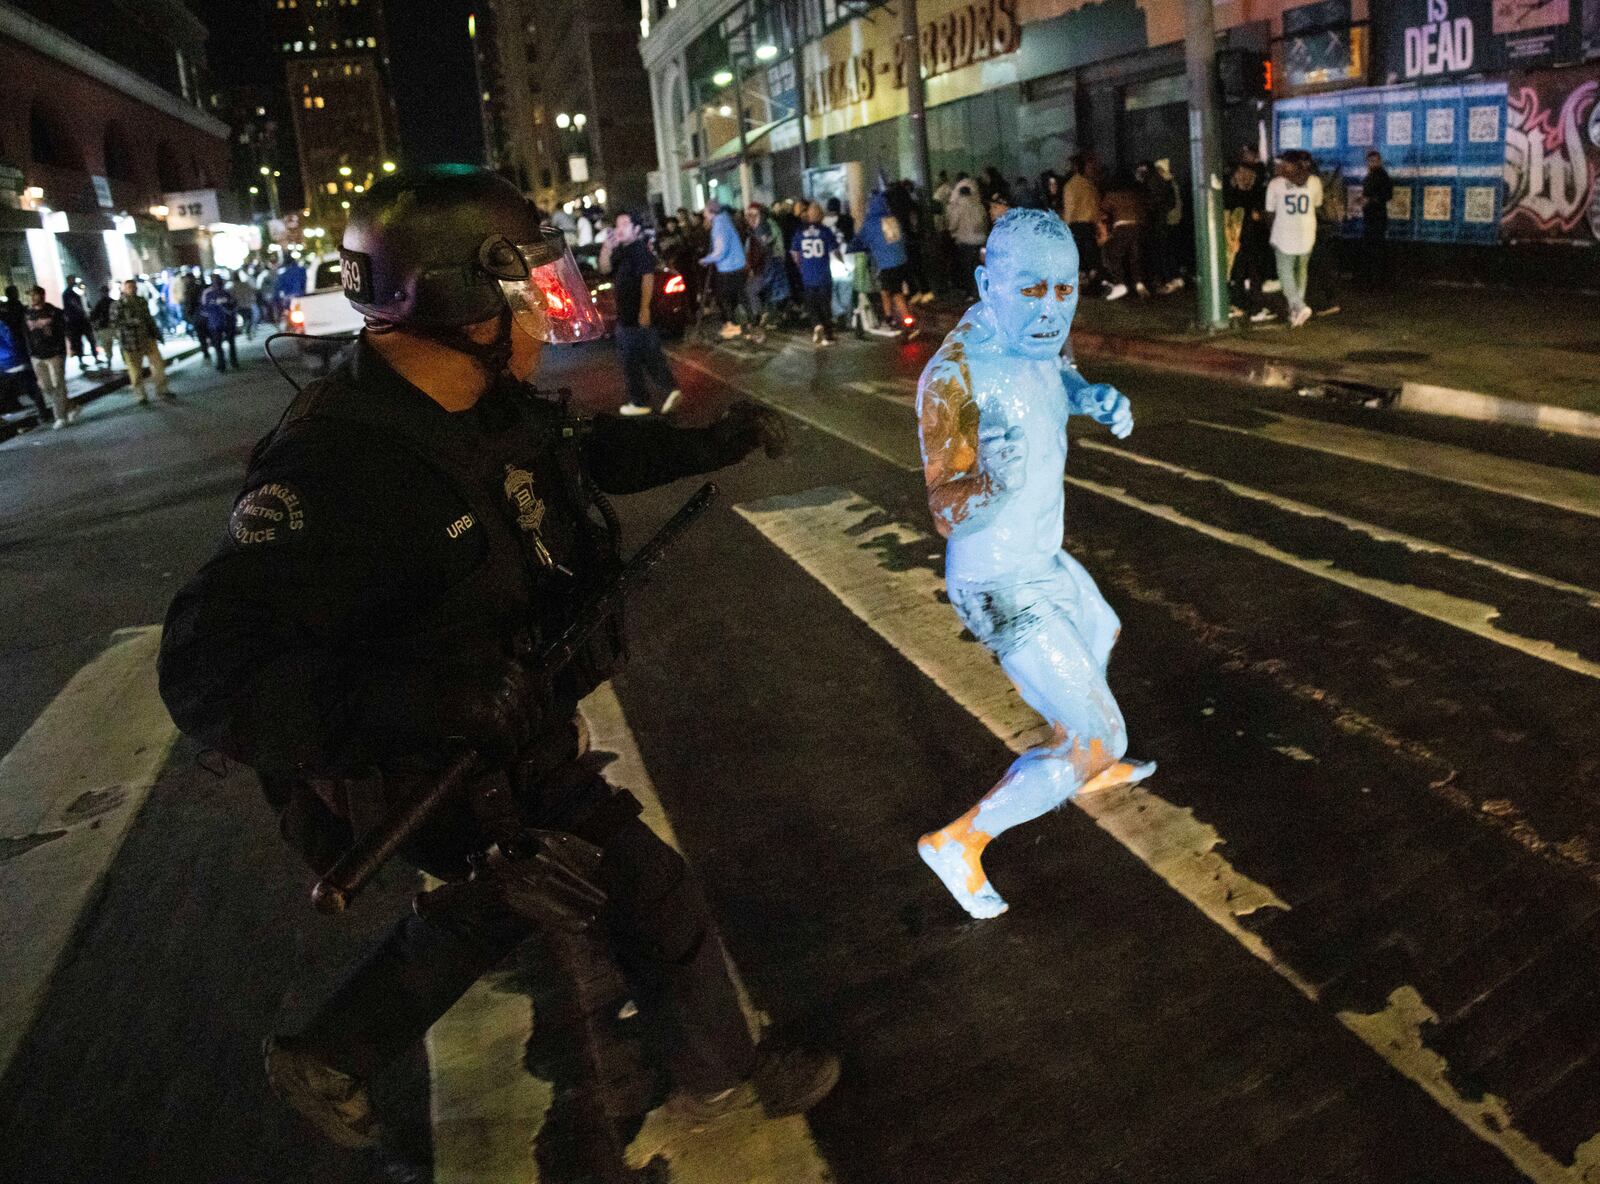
566 108
747 94
100 142
336 75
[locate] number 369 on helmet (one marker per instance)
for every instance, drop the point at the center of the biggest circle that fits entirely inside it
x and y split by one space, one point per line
441 248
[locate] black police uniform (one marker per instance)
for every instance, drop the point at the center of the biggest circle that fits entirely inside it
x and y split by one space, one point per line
378 531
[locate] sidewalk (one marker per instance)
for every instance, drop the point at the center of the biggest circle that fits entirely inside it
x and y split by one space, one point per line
1485 353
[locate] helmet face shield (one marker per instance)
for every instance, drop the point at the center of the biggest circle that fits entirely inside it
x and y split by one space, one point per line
544 288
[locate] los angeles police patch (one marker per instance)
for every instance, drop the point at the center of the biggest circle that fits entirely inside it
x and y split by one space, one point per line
266 514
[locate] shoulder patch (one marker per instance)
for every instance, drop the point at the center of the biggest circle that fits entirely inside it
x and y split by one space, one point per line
270 513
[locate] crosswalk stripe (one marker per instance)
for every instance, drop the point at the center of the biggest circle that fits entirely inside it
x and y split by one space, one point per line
69 790
1470 616
836 536
1381 534
1562 489
487 1109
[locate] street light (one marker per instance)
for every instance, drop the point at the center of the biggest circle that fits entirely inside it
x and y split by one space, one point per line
388 166
255 189
725 111
344 205
579 119
722 78
563 120
344 170
266 170
765 53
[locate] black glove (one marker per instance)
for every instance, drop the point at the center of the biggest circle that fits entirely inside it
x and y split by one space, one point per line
486 704
750 426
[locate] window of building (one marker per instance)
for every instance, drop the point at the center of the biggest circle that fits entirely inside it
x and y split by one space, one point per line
319 102
333 187
306 102
51 140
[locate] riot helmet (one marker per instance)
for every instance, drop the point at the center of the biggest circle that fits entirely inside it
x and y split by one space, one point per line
440 248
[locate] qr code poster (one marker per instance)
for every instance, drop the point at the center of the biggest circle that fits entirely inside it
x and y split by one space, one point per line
1483 125
1397 128
1325 131
1436 203
1400 204
1290 134
1478 204
1441 125
1360 129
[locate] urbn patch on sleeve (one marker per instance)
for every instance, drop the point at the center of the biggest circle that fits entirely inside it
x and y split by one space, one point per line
268 513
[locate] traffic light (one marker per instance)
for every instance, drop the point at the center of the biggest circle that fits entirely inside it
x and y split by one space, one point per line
1245 74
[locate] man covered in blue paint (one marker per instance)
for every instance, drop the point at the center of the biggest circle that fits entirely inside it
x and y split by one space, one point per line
992 409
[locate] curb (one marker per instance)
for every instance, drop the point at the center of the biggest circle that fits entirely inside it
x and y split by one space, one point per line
17 426
1342 385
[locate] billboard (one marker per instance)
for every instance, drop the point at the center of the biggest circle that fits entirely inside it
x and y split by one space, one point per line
1552 160
1444 147
1429 40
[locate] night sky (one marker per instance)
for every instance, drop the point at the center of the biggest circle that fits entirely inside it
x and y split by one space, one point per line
430 60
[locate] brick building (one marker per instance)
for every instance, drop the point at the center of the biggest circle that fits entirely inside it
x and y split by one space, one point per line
94 146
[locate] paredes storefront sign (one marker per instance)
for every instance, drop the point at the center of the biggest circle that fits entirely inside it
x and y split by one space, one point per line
856 75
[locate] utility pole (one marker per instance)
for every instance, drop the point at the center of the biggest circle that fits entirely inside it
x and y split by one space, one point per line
915 105
745 194
1200 54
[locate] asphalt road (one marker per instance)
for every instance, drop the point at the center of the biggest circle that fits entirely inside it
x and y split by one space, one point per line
1348 933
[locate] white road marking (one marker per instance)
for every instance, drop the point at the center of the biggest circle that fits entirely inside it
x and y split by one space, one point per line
1467 615
1563 489
487 1109
69 790
814 529
1379 534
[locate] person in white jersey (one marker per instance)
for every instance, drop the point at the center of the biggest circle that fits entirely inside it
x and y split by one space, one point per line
1292 200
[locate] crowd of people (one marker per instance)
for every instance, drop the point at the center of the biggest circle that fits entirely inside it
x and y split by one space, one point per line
130 321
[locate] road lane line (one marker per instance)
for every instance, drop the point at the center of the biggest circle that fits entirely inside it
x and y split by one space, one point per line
1379 534
1470 616
487 1109
69 791
1562 489
839 539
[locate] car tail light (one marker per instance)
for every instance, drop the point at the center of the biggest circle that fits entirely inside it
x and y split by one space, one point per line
908 320
674 285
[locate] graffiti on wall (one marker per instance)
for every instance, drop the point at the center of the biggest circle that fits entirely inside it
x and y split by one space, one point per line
1553 156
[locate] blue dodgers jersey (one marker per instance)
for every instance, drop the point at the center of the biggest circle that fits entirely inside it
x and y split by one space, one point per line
814 245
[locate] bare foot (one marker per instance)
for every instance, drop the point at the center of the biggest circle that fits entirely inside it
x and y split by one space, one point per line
954 855
1121 773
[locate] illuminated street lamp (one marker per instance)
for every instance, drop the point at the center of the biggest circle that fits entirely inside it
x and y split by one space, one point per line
725 111
266 170
254 189
344 170
563 121
722 78
765 53
579 119
344 205
388 166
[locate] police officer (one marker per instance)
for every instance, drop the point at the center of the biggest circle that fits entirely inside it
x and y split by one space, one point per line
418 525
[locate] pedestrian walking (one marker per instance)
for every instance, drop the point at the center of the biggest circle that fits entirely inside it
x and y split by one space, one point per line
139 338
1080 210
191 289
881 237
47 348
726 260
1245 201
1377 191
1322 276
219 313
969 229
243 293
842 270
767 285
267 295
15 372
813 249
633 283
14 315
100 322
1123 210
1291 204
79 331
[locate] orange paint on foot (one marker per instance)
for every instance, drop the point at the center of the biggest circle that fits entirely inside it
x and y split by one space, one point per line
970 840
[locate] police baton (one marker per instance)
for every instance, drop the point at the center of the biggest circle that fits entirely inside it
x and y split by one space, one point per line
356 867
